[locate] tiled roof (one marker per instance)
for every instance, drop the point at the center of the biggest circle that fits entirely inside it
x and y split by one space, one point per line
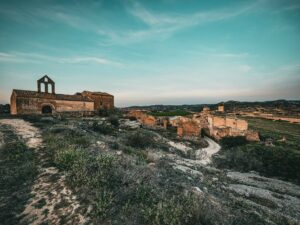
35 94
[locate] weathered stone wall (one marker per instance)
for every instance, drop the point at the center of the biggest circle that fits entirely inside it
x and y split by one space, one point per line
102 101
149 121
143 117
65 106
189 128
13 104
242 124
138 114
221 108
35 105
218 121
252 136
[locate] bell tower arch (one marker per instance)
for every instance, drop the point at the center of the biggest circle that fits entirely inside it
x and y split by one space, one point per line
46 81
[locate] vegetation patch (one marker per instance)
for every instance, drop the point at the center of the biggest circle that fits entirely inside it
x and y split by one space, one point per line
17 173
229 142
178 112
282 159
140 140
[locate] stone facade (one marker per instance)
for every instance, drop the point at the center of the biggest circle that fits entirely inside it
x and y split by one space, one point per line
42 101
143 117
188 128
221 108
102 100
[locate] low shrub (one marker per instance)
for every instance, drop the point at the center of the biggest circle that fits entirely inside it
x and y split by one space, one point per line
229 142
102 128
270 161
140 139
114 120
67 157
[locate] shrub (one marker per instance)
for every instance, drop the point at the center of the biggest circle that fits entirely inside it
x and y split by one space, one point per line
229 142
140 140
65 158
103 204
271 161
114 120
102 128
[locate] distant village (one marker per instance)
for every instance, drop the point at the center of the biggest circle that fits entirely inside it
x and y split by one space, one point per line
215 124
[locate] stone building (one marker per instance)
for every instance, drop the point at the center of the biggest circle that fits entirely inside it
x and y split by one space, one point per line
46 101
221 108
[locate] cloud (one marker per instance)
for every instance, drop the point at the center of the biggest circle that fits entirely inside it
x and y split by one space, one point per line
20 57
163 25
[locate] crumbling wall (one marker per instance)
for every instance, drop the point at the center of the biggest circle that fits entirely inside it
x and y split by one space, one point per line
13 104
35 105
189 128
149 121
252 136
218 121
143 117
101 101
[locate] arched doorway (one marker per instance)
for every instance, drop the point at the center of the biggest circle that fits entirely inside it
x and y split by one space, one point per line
46 109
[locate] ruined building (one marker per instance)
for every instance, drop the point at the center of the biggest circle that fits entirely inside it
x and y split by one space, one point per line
46 101
214 124
221 108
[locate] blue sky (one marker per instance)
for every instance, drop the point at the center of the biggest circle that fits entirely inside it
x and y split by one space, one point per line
153 52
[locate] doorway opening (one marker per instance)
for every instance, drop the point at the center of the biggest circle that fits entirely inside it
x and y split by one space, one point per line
46 109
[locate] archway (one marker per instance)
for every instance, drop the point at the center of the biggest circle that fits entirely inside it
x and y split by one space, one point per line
46 109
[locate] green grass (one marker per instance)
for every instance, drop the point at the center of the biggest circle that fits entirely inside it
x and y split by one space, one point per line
280 160
124 190
171 113
276 130
17 173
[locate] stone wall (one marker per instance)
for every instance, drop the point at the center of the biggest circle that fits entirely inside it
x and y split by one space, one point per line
143 117
21 105
252 136
102 101
13 104
189 128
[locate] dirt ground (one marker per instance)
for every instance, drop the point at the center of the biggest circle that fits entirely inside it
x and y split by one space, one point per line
53 201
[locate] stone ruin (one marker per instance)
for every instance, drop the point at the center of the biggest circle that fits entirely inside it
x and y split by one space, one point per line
46 101
207 122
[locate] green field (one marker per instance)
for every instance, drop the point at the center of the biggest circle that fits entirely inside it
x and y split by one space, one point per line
171 113
271 156
276 130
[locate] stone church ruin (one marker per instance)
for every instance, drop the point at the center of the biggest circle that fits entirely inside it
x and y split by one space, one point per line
46 101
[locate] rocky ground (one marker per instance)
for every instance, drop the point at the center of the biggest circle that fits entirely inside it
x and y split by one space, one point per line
246 198
49 189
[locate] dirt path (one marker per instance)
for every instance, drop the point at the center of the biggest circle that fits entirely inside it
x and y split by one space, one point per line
53 202
204 155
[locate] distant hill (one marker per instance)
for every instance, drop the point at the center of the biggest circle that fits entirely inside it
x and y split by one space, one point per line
292 106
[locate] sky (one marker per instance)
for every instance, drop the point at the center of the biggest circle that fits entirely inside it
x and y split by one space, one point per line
153 52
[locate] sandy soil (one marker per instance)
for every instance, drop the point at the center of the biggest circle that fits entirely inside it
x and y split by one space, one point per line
53 201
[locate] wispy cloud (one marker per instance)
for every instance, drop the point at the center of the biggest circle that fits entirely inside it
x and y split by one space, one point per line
163 25
20 57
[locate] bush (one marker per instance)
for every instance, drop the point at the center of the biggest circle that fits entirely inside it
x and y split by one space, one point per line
140 140
66 158
102 128
271 161
114 120
230 142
